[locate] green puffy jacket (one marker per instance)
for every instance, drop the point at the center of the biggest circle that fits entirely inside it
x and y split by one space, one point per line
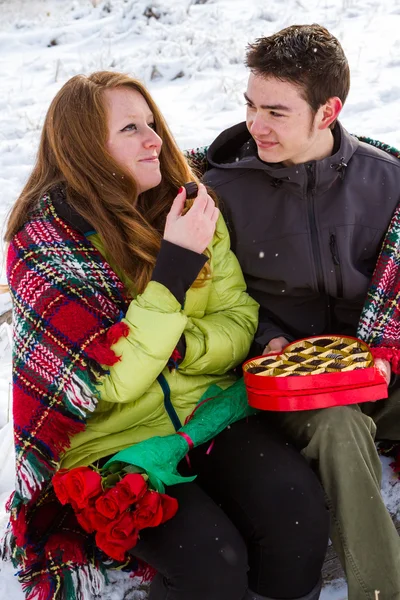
218 320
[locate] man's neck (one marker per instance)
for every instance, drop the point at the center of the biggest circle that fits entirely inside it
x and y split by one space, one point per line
320 149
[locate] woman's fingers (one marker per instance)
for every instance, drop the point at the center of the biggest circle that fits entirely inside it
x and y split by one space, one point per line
203 203
195 229
210 207
200 202
178 204
215 214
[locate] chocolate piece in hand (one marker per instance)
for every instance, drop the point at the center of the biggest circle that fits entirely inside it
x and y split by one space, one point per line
191 189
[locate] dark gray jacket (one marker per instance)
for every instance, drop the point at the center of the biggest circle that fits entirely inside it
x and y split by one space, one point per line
307 236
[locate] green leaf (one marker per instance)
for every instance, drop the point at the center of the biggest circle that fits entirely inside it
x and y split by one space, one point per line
132 469
110 481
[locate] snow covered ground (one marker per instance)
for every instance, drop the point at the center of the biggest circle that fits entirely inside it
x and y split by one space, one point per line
190 54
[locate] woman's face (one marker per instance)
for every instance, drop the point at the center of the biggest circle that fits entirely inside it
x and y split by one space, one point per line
132 140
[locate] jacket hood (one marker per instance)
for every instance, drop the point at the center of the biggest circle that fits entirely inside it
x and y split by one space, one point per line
234 148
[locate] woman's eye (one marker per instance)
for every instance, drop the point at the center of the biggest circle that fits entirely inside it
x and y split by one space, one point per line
152 126
130 127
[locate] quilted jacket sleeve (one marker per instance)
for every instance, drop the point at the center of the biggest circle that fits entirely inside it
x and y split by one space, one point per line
216 341
221 338
156 322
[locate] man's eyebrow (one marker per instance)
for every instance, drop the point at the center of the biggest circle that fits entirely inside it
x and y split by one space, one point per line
268 106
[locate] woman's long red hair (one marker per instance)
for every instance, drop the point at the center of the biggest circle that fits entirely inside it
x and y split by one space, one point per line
72 151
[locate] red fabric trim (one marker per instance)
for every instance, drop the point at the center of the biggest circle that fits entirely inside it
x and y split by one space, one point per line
100 350
58 437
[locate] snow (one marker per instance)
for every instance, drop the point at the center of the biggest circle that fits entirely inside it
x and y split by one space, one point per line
190 55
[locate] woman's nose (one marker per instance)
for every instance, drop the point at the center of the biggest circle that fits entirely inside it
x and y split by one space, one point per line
152 139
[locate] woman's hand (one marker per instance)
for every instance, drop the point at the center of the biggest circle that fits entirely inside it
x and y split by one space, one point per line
195 229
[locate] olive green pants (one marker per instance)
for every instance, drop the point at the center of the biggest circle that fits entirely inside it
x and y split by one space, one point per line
339 444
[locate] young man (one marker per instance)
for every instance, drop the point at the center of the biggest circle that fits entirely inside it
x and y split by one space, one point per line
308 206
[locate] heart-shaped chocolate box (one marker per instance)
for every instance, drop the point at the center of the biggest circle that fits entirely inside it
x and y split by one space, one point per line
316 372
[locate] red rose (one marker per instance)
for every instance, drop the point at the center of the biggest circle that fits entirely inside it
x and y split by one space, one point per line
169 507
148 512
118 537
115 551
120 531
107 505
77 486
90 520
129 490
84 519
59 487
98 521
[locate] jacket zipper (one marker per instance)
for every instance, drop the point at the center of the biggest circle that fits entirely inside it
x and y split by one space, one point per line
313 226
336 262
315 242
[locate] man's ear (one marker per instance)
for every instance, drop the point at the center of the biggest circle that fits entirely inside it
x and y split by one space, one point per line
329 112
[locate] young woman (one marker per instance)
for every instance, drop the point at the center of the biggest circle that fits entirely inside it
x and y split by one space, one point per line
128 306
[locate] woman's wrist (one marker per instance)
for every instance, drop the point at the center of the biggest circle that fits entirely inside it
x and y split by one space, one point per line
177 268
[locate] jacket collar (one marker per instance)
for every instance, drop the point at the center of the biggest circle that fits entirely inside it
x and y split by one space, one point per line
67 212
235 149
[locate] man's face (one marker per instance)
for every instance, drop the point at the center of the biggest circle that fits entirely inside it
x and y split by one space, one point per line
280 121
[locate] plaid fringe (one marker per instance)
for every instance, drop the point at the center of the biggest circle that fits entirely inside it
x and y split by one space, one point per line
67 305
379 324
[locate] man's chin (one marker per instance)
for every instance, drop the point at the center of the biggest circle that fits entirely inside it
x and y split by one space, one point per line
270 156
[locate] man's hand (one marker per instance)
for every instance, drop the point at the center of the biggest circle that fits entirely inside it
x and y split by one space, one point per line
384 367
275 345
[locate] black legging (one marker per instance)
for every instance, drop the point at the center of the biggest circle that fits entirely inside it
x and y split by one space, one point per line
255 517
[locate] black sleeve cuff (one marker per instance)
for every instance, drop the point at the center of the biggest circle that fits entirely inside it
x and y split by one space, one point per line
177 268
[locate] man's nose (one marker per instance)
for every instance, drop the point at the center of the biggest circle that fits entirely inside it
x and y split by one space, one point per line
259 126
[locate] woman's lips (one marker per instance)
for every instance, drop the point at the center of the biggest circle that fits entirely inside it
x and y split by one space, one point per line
150 159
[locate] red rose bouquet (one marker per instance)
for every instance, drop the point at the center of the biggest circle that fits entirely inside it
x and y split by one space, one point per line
114 506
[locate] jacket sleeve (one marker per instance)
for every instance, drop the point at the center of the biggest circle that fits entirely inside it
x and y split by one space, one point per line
156 322
268 329
220 339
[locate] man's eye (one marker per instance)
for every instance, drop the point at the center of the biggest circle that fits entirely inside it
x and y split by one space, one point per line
249 105
130 127
275 114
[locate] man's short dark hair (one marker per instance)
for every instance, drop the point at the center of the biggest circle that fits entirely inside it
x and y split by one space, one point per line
306 55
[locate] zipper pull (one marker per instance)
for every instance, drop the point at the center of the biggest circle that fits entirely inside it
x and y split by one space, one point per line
333 249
